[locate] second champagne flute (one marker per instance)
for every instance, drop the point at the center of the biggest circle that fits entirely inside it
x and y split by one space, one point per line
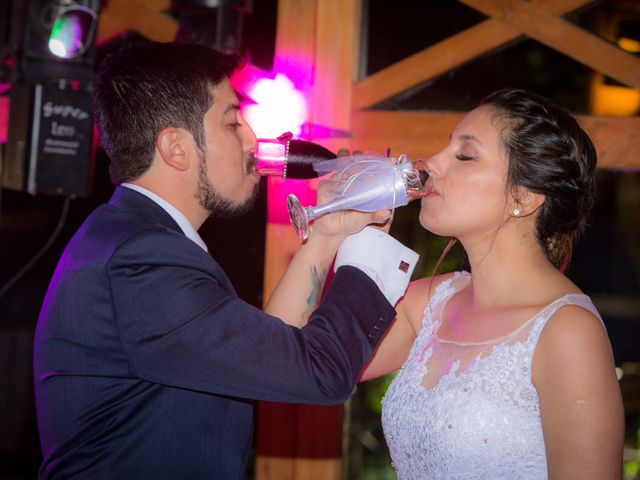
365 183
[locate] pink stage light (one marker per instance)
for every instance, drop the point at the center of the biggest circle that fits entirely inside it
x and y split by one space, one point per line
279 107
279 189
4 117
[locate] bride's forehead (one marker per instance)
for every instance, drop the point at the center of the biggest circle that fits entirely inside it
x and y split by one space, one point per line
478 123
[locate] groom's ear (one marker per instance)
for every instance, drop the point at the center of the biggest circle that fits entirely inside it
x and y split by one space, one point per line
171 144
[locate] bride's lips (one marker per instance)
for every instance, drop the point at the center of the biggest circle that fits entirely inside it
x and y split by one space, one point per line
430 191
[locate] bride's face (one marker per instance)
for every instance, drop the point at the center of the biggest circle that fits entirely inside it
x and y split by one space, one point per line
469 180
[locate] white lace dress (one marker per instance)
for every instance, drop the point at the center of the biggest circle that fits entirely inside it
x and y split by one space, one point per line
461 410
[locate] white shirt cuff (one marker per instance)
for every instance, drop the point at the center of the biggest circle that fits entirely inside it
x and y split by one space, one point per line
384 259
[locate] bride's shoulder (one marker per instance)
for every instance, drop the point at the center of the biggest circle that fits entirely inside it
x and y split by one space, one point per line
421 291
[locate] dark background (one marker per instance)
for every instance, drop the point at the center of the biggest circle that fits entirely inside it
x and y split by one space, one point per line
606 260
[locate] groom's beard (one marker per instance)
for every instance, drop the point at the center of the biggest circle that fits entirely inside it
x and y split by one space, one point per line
211 201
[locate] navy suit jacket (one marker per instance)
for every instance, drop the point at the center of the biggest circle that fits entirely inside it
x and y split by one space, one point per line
146 362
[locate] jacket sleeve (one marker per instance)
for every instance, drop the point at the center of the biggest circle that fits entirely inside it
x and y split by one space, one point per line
182 325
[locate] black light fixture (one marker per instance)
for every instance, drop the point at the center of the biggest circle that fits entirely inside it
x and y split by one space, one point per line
50 139
217 23
54 38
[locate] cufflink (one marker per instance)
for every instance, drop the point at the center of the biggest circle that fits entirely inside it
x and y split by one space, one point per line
404 266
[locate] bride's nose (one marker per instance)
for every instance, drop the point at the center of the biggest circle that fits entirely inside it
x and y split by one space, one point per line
430 167
438 164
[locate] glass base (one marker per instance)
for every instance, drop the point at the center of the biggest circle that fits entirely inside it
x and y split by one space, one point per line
298 216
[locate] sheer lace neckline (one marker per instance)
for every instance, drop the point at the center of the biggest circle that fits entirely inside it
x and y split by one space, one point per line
468 412
507 336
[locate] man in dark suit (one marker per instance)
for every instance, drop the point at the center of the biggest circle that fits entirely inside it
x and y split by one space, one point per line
145 360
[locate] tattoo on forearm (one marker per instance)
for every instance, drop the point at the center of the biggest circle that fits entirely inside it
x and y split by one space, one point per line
317 280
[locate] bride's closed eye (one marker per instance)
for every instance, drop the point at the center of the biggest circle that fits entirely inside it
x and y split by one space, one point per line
463 157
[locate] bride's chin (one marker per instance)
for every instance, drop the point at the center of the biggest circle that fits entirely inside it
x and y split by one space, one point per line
425 220
431 225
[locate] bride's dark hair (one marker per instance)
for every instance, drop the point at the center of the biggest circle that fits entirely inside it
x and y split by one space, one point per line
548 153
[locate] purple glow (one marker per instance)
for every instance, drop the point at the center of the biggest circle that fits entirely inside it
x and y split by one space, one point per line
4 118
278 190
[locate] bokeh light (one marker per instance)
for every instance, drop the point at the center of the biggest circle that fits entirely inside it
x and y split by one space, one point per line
279 107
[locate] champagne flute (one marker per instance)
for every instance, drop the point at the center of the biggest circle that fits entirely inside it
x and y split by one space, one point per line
286 157
362 182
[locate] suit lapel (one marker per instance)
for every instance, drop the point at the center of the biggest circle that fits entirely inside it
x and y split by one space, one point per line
150 212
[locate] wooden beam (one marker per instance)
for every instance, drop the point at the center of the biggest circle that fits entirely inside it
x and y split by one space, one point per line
294 56
417 134
315 46
617 140
423 134
153 5
298 469
337 44
564 37
146 18
445 55
295 42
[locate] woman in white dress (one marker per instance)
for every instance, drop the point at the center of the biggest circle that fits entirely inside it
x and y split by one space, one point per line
507 371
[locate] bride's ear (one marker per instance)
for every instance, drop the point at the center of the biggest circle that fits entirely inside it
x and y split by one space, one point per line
526 202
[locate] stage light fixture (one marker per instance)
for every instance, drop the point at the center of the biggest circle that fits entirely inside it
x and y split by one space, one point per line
54 39
72 31
50 137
